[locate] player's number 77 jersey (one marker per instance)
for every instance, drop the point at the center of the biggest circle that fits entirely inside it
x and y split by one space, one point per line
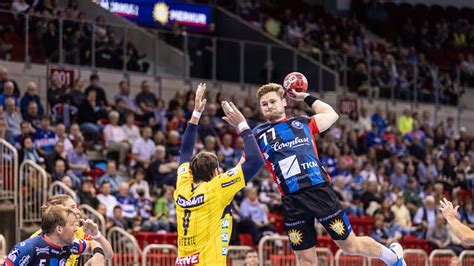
291 154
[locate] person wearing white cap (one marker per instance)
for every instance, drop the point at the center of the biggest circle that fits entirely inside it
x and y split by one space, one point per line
450 213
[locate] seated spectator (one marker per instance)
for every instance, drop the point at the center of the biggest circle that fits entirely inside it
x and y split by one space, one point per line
87 193
139 184
12 117
467 214
160 116
4 78
75 134
57 153
412 195
165 211
26 131
8 93
89 117
146 100
31 95
131 130
371 197
401 212
4 133
119 220
61 133
32 115
399 178
425 217
227 151
205 128
28 151
145 206
78 160
45 138
101 97
162 171
383 234
112 177
124 95
76 95
128 204
173 144
439 237
56 93
254 217
60 171
116 140
106 198
143 149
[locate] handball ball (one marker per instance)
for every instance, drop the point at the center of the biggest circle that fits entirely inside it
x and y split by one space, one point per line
295 81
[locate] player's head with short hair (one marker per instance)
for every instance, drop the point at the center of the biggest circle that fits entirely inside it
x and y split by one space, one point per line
204 166
60 223
63 200
271 98
251 257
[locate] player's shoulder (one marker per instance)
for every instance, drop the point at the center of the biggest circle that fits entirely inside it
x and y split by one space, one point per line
183 168
260 128
299 118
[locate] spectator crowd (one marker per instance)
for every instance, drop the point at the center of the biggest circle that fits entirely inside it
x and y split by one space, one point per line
392 168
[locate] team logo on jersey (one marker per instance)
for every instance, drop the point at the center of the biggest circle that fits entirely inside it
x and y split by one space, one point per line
13 254
289 166
232 172
225 223
297 124
189 260
192 202
225 237
182 170
230 183
295 236
44 250
54 251
338 227
24 261
22 244
290 144
224 251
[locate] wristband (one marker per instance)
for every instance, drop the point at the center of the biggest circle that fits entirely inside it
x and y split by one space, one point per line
197 114
310 99
242 126
98 235
98 250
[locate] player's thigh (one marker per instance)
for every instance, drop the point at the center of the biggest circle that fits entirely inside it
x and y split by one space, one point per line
299 224
330 214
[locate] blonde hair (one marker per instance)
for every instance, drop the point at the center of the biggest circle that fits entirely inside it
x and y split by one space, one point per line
267 88
53 216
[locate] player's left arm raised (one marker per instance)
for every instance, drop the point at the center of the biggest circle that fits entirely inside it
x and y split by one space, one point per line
325 115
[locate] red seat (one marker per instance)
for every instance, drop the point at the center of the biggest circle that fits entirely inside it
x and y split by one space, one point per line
246 240
277 220
347 260
442 261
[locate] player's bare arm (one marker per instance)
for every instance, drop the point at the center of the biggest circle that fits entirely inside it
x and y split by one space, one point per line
460 230
325 115
92 229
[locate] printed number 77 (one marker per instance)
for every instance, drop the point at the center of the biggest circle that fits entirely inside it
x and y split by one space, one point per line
264 136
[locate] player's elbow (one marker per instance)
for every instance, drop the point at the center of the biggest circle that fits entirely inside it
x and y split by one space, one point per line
333 117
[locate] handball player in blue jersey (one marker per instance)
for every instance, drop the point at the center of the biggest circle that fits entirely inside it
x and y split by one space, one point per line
291 154
56 243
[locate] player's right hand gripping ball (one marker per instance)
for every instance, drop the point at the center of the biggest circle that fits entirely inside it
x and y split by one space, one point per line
295 81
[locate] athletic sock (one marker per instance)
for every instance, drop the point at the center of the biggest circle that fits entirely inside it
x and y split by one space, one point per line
387 255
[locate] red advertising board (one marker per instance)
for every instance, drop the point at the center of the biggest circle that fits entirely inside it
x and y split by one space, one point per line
66 76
